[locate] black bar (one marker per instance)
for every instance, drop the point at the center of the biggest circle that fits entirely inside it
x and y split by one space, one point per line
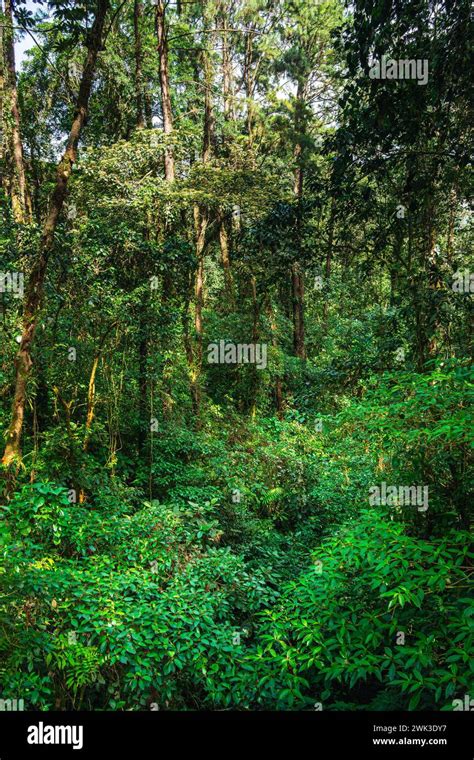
316 734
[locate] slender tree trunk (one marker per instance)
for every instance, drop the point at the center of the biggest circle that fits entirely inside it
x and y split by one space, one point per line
3 176
297 276
167 113
21 202
148 109
328 264
224 242
416 285
200 226
201 221
229 115
452 218
394 268
143 381
90 402
89 415
434 280
227 78
296 270
208 109
255 336
185 318
195 390
249 83
137 23
165 86
278 380
298 311
35 287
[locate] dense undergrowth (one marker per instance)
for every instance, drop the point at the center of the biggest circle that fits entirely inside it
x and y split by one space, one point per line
256 575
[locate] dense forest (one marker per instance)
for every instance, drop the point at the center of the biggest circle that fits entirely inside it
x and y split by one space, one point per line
236 327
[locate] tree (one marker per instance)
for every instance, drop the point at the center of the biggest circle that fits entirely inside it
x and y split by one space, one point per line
34 292
17 184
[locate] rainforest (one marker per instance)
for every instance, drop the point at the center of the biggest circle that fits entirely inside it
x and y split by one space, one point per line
236 375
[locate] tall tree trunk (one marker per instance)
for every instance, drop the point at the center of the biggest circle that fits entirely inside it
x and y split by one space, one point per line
296 270
148 108
90 402
451 220
167 113
208 136
249 82
200 226
201 221
255 336
35 287
139 95
328 264
3 177
143 381
165 86
433 319
89 415
395 264
229 115
416 285
297 281
227 78
20 199
278 380
224 242
298 311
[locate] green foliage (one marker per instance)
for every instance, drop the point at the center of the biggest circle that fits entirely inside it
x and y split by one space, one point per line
384 618
191 535
294 594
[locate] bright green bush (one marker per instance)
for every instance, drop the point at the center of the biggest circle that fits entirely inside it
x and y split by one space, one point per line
385 621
